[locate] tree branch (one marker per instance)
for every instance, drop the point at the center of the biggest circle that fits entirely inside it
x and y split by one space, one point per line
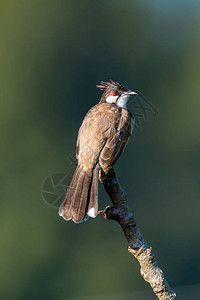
137 246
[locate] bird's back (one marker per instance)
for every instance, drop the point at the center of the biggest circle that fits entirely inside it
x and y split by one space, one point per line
102 122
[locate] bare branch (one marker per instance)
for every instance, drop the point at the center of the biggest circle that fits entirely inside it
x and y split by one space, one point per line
137 246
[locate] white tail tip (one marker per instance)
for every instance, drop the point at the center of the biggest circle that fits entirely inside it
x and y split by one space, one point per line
91 213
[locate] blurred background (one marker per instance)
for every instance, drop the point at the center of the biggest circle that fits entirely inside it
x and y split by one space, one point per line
53 53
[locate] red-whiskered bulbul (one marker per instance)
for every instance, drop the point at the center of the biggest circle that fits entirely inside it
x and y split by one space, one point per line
102 137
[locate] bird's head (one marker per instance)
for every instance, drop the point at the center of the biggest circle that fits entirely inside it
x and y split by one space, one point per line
115 93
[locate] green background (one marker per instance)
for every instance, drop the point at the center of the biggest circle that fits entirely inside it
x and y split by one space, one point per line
52 55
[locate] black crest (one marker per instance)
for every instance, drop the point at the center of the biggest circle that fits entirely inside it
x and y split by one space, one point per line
109 87
112 85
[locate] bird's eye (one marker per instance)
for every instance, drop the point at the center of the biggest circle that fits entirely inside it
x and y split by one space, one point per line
113 94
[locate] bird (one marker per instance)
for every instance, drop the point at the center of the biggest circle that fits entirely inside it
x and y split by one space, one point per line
102 137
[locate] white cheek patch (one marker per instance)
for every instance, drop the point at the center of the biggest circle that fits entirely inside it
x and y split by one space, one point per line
111 99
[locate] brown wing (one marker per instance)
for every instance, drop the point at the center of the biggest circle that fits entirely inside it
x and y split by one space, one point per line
116 143
94 133
102 136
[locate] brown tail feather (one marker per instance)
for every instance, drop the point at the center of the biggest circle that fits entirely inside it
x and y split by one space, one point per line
82 195
92 209
81 198
66 207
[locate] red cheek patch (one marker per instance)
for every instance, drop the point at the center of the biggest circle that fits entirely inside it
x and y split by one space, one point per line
113 94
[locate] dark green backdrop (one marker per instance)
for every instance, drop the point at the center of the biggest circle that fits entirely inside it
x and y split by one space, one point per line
52 55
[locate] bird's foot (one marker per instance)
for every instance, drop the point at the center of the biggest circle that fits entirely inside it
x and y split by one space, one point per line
104 211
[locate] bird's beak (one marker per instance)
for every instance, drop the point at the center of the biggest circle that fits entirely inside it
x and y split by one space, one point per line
131 93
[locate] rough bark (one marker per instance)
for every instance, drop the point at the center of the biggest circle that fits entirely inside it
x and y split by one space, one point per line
137 246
